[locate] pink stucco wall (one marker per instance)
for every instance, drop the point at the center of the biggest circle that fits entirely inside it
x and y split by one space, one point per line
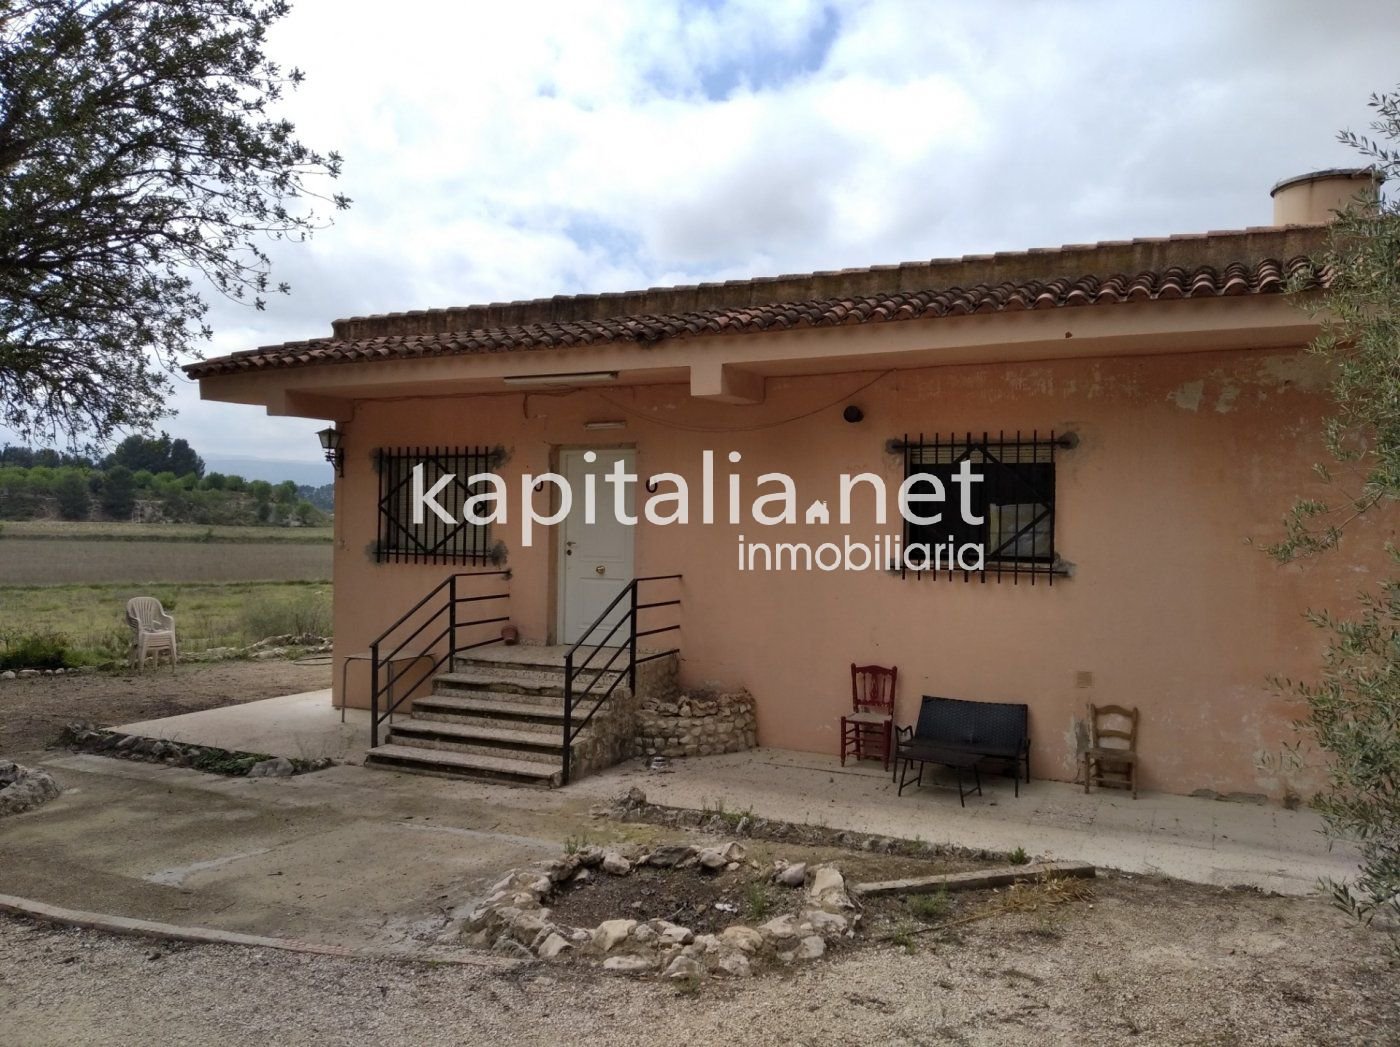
1182 461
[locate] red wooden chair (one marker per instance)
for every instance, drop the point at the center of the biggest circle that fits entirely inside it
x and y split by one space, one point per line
872 713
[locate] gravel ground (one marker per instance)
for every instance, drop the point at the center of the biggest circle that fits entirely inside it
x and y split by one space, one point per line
1148 962
34 710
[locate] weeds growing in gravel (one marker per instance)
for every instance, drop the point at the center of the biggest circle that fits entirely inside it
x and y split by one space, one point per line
930 907
756 901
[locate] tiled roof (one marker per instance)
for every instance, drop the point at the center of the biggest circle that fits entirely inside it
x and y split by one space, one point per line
393 337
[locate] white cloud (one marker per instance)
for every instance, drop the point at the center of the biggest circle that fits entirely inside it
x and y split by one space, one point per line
505 151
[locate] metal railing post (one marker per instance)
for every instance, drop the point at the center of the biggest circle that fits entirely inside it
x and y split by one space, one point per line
568 714
374 695
632 643
452 623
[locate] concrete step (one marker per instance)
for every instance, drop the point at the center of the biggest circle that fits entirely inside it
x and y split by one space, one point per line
501 708
535 659
472 737
463 765
527 755
524 688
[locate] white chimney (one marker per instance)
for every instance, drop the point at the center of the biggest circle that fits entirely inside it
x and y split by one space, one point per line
1314 198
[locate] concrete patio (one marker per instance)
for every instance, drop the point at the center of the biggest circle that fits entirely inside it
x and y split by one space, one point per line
1203 841
302 725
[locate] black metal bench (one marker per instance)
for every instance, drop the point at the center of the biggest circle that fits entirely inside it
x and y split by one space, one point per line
976 730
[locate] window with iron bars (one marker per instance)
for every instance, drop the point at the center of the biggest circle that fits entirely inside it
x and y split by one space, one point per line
1015 499
399 539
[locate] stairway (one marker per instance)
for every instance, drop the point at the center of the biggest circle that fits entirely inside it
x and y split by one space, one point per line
498 715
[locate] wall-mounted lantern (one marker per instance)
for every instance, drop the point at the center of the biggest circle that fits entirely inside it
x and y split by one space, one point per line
330 443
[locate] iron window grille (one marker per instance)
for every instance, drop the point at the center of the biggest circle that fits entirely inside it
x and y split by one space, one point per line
1015 499
435 541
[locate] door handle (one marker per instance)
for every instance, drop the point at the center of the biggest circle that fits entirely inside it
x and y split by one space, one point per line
569 548
600 569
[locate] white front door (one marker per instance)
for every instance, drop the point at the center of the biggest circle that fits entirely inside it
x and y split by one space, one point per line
595 559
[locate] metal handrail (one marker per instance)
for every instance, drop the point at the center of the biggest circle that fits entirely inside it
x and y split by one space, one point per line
571 674
449 633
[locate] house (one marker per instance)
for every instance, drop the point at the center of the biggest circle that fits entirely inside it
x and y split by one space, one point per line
1140 412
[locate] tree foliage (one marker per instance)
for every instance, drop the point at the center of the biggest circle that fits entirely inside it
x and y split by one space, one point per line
118 493
1353 709
140 164
74 502
156 454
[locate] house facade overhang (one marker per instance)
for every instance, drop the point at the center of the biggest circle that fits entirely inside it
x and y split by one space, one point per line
724 342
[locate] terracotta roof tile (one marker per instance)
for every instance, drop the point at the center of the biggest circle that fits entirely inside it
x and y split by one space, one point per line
890 295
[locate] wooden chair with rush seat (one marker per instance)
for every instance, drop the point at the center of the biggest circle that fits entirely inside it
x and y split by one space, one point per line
871 719
1111 759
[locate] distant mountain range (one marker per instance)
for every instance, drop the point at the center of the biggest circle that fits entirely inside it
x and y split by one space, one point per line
273 470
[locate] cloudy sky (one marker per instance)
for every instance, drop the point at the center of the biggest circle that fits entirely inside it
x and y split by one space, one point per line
498 151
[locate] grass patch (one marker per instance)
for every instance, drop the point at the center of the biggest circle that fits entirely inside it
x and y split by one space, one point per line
756 901
81 530
90 620
931 907
731 819
88 561
1018 856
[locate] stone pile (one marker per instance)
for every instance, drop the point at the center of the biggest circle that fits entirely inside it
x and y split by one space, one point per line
516 919
88 738
24 788
696 725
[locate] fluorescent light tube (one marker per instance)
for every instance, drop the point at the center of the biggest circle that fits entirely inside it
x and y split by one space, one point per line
573 378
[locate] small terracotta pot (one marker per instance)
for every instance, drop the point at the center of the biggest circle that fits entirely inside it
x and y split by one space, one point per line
510 635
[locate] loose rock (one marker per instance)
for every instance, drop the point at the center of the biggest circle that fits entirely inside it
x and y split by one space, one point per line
811 948
277 767
615 864
684 967
552 946
792 875
670 855
712 860
610 932
735 963
828 888
628 964
743 938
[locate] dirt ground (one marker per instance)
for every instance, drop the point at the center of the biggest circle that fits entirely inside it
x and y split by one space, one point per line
1146 961
1141 960
34 710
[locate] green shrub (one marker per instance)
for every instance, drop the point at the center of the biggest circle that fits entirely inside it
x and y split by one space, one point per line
308 611
35 651
118 493
74 502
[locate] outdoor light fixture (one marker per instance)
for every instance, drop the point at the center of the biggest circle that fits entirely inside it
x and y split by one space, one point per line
330 443
568 378
617 423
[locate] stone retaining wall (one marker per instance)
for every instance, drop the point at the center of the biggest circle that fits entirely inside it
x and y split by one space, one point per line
696 725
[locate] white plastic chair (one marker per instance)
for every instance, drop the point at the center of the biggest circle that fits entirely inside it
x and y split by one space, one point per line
155 630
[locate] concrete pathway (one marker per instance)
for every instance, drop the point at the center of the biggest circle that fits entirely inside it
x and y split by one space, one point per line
346 857
303 725
1203 841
